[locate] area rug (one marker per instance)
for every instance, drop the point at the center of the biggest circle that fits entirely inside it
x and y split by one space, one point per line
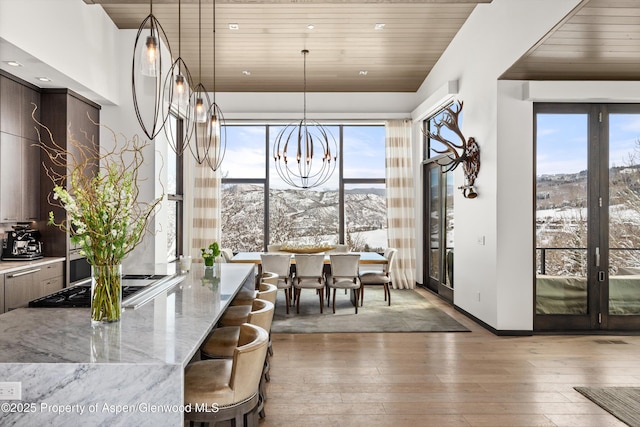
409 312
621 402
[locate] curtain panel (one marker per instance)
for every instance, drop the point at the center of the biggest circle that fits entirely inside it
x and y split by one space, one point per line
206 209
400 202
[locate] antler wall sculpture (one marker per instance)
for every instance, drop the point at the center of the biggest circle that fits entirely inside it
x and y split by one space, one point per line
467 153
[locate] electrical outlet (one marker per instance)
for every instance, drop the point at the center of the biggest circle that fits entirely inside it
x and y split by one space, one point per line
478 296
10 391
481 240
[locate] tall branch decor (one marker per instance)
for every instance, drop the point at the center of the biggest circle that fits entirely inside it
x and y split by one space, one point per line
99 192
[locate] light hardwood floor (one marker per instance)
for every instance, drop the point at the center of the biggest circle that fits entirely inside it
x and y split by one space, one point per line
445 379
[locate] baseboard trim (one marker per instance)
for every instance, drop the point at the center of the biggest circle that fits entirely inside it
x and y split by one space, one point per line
498 332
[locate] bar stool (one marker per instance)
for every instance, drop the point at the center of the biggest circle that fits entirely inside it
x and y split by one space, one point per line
223 341
238 314
265 292
230 385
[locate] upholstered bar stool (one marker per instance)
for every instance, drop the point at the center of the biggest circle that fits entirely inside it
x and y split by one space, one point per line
223 341
265 292
230 385
238 314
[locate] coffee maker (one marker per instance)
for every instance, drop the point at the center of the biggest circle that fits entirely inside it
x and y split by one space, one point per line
22 243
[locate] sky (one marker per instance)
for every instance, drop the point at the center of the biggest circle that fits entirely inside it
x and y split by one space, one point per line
562 141
364 155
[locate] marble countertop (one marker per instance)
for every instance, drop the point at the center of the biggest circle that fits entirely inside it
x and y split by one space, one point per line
166 330
11 266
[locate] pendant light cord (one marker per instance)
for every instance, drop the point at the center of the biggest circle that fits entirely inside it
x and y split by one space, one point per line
214 52
304 87
199 40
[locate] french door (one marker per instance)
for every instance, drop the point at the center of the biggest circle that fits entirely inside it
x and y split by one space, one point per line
439 228
587 220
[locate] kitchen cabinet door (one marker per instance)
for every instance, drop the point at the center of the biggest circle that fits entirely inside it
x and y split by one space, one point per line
29 98
19 179
51 278
30 182
1 293
20 287
10 106
10 177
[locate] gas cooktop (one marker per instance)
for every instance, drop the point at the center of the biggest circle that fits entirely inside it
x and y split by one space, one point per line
80 295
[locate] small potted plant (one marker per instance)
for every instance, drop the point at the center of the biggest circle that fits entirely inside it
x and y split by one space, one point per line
209 254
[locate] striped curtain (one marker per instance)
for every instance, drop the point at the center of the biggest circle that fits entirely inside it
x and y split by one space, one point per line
400 202
206 210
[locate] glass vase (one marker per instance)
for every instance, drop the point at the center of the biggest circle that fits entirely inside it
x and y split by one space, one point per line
106 293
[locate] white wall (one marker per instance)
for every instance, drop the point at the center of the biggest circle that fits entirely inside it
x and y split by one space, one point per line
121 118
75 40
494 280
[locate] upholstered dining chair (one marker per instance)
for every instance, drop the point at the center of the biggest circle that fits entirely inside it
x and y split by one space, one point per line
279 264
227 254
344 275
230 385
309 275
380 277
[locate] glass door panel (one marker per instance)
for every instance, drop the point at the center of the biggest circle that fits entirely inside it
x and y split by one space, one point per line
449 227
624 215
435 259
562 142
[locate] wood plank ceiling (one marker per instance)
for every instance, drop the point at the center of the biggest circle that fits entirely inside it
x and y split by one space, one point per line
347 52
599 40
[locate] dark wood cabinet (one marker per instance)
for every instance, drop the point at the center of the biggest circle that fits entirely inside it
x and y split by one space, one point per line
20 158
10 174
71 119
1 293
10 106
30 99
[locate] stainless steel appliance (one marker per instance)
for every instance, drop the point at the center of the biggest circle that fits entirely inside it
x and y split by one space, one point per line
22 243
79 268
80 295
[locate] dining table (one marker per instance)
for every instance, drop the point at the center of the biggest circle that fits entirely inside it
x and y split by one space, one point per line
254 257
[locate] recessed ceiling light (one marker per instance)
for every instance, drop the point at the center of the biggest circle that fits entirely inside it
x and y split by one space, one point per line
310 27
363 72
246 72
14 63
379 26
44 79
234 26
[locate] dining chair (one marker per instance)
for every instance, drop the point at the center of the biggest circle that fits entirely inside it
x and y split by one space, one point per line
309 275
227 254
380 277
344 275
279 264
339 249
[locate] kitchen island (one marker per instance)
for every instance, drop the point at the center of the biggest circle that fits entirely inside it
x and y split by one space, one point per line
121 374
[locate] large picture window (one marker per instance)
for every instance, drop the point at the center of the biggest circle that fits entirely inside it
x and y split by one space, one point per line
259 209
175 197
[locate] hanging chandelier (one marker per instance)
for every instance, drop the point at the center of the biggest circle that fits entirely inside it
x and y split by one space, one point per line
177 98
210 130
146 73
305 152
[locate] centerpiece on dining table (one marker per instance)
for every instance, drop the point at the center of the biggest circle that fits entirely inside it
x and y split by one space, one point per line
99 192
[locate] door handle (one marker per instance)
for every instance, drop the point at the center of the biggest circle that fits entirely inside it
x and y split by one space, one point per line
22 273
598 257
